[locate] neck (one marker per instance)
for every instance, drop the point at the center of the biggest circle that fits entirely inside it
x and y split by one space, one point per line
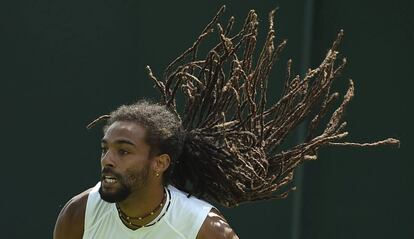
141 202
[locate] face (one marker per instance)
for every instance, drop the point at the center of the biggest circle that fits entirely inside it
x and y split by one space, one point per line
125 161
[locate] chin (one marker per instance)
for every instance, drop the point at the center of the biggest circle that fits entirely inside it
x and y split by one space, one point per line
113 195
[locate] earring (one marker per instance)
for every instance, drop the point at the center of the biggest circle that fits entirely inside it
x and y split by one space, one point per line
157 174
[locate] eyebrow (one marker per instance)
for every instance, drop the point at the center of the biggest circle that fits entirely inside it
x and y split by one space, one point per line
120 141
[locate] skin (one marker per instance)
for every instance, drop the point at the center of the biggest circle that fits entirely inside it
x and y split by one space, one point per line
125 152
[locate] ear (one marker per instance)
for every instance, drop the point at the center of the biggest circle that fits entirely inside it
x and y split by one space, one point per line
161 163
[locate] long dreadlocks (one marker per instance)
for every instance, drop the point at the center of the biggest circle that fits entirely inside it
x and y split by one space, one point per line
232 148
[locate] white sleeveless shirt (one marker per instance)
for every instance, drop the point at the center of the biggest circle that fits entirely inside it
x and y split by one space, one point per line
181 219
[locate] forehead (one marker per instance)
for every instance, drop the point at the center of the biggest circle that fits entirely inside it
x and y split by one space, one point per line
125 130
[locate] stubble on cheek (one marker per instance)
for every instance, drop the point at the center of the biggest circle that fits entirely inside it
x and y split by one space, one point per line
136 179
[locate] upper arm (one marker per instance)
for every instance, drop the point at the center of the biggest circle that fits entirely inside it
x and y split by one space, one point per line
71 219
216 227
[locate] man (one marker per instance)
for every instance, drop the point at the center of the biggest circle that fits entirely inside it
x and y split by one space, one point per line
225 148
133 198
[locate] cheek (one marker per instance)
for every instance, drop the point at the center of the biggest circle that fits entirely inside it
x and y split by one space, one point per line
136 175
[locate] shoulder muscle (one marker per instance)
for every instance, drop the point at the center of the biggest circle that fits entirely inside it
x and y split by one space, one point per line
70 222
216 227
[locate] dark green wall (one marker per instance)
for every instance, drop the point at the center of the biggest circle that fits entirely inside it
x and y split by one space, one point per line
358 193
62 63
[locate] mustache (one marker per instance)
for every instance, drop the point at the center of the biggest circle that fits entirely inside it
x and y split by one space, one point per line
110 171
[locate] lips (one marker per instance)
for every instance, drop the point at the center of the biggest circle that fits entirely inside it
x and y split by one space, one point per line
109 179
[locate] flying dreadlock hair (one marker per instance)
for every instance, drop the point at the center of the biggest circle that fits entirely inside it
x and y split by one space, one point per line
232 149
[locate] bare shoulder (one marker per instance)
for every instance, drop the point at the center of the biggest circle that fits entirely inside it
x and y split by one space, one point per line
216 227
70 222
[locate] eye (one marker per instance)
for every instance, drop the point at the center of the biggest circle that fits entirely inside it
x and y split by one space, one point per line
104 150
123 152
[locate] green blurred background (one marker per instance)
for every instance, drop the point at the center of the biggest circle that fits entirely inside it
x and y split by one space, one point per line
62 63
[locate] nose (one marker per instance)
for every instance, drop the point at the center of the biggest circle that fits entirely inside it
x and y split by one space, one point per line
107 159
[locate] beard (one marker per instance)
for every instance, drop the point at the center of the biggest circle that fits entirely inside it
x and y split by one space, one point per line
125 184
